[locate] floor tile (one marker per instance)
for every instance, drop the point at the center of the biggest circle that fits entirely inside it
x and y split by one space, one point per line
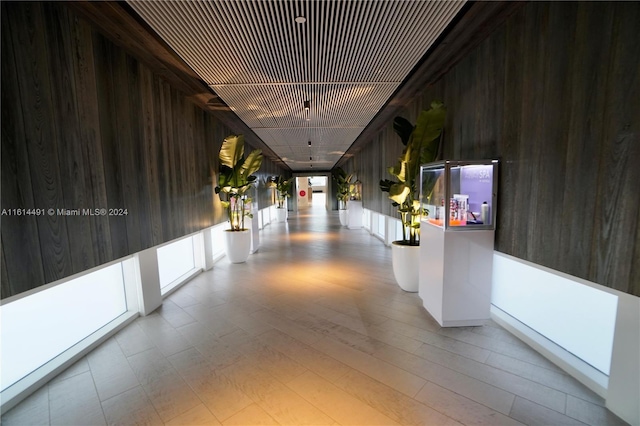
336 403
550 378
531 413
149 366
33 411
164 336
251 415
197 416
171 396
287 326
512 383
472 388
460 408
289 408
132 407
77 368
271 360
219 394
384 372
591 414
174 314
392 403
133 340
305 355
75 402
110 370
518 351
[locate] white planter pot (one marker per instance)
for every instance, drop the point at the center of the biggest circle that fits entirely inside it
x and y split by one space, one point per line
406 265
237 245
281 214
343 217
354 214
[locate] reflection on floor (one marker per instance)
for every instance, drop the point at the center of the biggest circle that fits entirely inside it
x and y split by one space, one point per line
311 330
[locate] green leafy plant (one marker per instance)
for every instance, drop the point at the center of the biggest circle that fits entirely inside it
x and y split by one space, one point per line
422 143
236 177
344 186
283 188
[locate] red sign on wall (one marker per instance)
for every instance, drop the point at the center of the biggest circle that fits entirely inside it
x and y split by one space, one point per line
302 193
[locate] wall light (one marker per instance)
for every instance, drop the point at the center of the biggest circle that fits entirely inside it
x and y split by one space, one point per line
307 105
309 143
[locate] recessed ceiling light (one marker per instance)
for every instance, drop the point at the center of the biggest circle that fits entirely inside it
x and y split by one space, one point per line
307 105
301 19
309 143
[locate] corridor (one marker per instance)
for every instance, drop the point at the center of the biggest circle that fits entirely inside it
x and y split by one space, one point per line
311 330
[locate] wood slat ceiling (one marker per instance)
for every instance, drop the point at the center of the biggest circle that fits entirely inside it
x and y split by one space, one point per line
347 59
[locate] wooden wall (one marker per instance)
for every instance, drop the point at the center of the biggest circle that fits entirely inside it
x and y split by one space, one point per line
555 95
85 125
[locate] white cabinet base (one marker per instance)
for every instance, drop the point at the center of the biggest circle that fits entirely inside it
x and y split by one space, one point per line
354 213
455 275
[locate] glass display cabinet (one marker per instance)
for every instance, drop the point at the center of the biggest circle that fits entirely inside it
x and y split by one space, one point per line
354 206
458 217
459 195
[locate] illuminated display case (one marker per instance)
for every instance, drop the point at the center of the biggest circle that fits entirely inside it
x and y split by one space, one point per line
459 195
457 228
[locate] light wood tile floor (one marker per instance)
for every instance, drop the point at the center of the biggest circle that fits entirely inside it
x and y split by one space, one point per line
311 330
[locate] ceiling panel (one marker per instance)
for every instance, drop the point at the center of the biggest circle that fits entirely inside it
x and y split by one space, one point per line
282 105
347 59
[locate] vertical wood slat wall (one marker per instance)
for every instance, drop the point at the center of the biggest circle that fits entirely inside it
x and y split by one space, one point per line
555 95
85 125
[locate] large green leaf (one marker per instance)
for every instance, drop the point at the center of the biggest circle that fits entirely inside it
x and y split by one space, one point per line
385 184
283 186
252 163
426 135
399 170
399 192
403 128
232 150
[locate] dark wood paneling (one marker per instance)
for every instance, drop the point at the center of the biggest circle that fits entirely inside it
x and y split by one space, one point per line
39 125
590 63
19 233
477 21
89 132
72 168
617 191
108 137
555 94
125 28
86 125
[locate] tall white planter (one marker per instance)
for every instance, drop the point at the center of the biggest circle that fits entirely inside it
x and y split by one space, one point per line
354 211
343 217
281 214
406 261
237 245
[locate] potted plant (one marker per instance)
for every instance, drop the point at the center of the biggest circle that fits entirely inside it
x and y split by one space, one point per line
343 185
234 179
283 187
422 145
